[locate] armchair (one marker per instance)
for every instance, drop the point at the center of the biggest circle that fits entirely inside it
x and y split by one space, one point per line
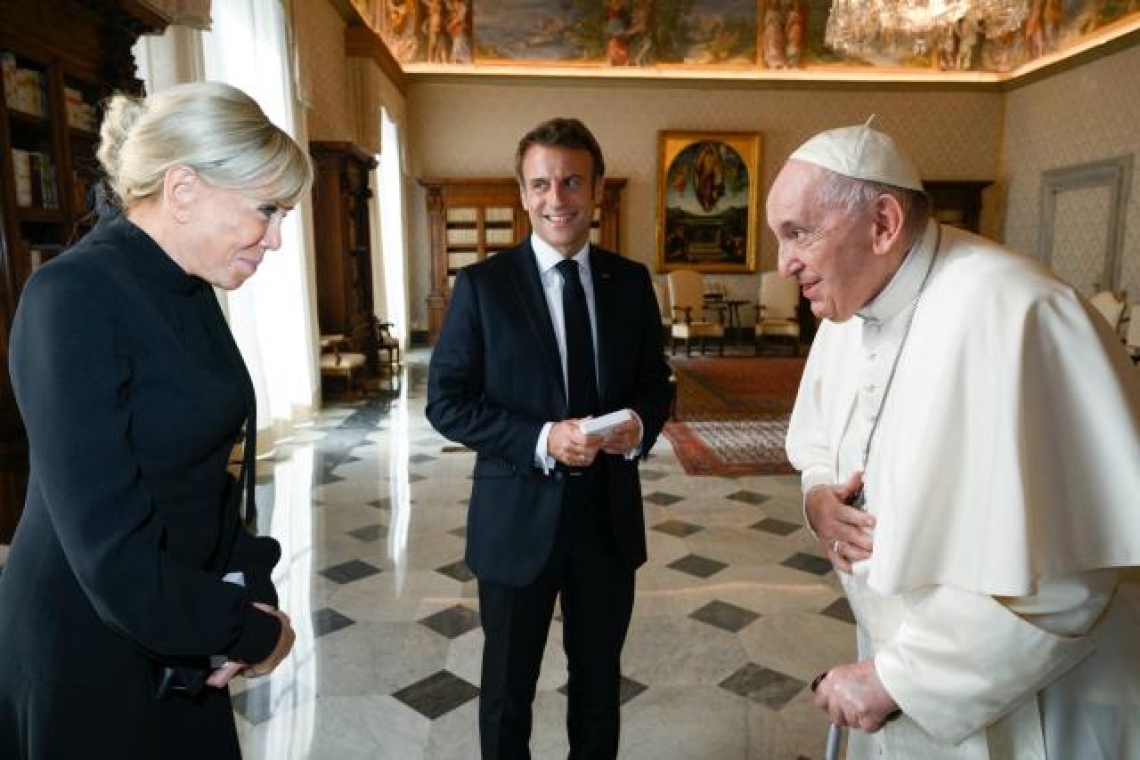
688 313
1132 337
1110 305
339 363
776 311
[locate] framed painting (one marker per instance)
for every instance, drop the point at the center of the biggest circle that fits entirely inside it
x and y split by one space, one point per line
708 191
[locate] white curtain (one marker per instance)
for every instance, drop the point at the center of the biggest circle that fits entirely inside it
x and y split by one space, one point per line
390 207
271 315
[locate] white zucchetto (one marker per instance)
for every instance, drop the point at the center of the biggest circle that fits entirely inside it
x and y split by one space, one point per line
863 153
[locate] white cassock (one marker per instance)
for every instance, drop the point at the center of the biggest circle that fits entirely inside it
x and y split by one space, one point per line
1004 475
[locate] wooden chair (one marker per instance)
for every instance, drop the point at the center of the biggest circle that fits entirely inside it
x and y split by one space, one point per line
1132 336
338 363
387 344
1110 305
776 311
663 309
689 312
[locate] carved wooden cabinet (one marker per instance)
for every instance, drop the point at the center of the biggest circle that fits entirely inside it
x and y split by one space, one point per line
473 218
58 60
342 233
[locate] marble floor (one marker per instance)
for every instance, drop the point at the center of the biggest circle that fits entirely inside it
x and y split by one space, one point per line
736 609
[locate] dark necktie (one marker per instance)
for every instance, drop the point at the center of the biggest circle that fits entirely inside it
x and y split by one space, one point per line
581 378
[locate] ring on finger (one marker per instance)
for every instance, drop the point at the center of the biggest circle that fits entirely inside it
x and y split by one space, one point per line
835 546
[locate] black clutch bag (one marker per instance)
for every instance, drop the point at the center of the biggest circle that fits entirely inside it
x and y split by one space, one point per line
186 680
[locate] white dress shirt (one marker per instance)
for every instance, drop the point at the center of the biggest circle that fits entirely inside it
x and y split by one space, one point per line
547 259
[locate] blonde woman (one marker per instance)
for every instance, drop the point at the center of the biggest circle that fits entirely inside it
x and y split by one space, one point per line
133 593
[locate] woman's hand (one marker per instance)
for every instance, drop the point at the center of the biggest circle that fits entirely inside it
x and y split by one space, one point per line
281 651
223 675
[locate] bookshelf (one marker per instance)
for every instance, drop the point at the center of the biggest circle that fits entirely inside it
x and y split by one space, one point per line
342 233
58 60
471 219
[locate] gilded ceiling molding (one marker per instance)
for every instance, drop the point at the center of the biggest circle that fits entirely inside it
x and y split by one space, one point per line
767 43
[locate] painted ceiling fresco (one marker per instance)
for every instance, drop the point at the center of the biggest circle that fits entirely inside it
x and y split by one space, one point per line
720 35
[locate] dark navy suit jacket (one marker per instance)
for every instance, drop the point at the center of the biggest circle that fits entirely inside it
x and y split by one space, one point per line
496 378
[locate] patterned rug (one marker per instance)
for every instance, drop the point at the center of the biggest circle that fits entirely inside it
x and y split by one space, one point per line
732 414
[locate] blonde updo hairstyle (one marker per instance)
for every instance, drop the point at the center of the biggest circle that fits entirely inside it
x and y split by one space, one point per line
211 127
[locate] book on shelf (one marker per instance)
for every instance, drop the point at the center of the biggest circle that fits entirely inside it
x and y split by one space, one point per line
22 171
462 236
81 190
41 253
500 236
43 177
80 113
499 214
462 215
24 89
458 260
8 72
34 173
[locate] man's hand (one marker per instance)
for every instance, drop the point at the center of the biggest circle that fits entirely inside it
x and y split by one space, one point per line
852 695
570 446
843 530
625 437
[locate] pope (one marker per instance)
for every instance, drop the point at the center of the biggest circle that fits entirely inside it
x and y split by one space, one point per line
967 431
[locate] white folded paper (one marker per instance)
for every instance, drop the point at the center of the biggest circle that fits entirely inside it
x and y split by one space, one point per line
605 423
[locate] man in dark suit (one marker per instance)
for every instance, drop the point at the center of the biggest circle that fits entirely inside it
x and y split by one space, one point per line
535 340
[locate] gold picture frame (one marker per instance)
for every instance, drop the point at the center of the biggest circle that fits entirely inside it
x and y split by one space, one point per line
708 201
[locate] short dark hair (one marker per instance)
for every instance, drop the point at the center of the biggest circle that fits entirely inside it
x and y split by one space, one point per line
561 133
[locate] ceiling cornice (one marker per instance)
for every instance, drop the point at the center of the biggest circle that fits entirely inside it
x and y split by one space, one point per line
362 41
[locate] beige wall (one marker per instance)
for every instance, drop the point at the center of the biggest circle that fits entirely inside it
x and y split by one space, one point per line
1088 114
471 129
323 70
342 98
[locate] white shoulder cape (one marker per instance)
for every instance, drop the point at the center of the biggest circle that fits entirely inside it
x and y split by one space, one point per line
1009 446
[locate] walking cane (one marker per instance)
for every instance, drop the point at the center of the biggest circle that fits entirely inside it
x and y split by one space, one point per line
834 732
834 739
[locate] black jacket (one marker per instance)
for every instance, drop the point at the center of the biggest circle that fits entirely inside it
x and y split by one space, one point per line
133 394
496 378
